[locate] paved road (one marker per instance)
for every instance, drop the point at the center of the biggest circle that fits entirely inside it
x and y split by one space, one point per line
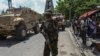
66 44
34 46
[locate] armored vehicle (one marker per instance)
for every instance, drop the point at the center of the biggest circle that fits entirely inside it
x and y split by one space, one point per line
60 20
17 22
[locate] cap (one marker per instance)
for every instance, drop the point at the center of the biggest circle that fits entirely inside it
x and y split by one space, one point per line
48 11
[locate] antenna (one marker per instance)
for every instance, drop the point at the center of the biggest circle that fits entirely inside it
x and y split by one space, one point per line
10 4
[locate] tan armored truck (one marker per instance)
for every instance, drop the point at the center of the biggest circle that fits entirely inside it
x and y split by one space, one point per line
17 22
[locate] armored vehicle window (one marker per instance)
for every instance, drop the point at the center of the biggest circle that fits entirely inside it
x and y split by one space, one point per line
9 12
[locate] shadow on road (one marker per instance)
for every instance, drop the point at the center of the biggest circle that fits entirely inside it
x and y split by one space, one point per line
12 41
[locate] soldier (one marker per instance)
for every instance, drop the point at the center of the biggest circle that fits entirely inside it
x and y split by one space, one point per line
50 30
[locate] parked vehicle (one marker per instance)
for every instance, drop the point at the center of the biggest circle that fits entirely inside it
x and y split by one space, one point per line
17 21
61 21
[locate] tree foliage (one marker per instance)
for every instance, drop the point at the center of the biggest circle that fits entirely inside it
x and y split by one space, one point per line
78 7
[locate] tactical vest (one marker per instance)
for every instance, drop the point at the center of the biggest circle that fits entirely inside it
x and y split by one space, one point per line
51 29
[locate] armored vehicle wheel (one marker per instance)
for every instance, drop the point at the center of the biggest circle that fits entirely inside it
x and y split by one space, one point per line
36 29
3 37
20 32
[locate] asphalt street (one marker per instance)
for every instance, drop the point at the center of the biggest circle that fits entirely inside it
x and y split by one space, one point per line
34 45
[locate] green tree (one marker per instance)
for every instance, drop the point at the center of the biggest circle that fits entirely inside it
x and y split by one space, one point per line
78 7
62 6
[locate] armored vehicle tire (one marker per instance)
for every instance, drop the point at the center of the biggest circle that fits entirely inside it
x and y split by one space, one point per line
3 37
36 29
20 32
63 28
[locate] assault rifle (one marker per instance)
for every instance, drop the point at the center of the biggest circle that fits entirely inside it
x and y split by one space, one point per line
47 40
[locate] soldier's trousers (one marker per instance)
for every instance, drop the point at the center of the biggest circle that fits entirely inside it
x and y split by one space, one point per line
53 49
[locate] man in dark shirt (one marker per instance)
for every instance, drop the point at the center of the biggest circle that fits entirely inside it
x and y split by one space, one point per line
50 29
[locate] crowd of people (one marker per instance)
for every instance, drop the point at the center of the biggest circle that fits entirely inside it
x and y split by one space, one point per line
87 27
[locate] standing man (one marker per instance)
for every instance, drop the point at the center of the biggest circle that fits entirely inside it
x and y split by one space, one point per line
83 31
50 29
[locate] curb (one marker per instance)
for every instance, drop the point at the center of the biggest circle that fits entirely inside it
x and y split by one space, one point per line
77 43
84 52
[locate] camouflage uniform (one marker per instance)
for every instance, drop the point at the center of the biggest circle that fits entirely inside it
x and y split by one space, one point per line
50 28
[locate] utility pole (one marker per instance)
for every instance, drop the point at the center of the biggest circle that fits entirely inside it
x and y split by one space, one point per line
70 9
49 5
